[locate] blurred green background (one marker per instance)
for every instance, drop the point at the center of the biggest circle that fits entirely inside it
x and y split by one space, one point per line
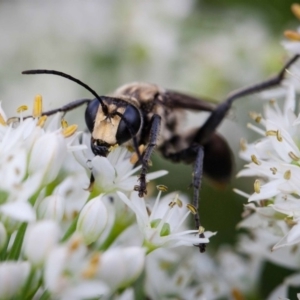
206 48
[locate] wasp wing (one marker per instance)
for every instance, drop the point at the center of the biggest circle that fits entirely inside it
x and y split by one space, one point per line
174 99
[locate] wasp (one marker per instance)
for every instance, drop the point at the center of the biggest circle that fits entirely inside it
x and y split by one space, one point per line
145 114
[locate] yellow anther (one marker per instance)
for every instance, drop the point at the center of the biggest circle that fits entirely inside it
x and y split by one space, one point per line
255 116
274 170
192 208
37 106
178 201
2 121
134 157
255 160
201 229
162 188
69 131
64 123
287 174
243 144
172 204
74 245
296 10
257 186
293 156
271 133
279 136
41 121
22 108
92 268
12 120
292 35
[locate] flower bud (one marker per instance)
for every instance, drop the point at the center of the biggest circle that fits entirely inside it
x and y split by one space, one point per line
92 220
40 238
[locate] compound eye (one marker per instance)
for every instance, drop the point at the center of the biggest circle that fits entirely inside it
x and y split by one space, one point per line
91 113
129 124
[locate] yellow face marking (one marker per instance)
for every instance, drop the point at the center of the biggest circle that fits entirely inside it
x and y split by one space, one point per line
105 128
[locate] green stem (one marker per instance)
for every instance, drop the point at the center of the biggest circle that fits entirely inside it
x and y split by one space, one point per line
3 252
45 296
26 287
70 230
17 245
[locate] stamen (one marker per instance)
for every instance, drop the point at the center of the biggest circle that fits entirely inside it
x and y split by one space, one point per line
64 123
271 133
2 121
243 144
192 208
295 8
201 229
162 188
41 121
241 193
257 186
255 116
172 204
255 160
274 170
69 131
279 136
293 156
22 108
292 35
256 129
92 268
75 244
287 174
37 106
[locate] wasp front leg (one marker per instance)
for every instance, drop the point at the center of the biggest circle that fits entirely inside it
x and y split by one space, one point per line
153 137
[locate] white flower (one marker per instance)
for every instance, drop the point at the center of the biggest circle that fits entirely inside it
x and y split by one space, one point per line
92 220
163 226
70 272
119 267
40 239
114 172
12 277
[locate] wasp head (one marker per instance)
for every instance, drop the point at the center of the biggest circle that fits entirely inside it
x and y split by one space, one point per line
119 123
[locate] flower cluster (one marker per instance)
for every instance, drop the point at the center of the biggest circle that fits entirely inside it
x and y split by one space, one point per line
60 238
273 214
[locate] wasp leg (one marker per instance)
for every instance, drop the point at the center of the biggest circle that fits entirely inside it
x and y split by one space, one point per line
70 106
194 153
219 113
154 133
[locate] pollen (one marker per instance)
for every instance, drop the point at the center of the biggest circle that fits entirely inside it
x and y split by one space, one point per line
293 156
162 188
295 8
279 136
255 160
287 174
2 121
41 121
64 123
243 144
276 133
292 35
75 244
22 108
191 208
274 170
37 106
257 186
69 131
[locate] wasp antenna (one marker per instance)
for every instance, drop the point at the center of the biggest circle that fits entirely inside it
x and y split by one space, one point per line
53 72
